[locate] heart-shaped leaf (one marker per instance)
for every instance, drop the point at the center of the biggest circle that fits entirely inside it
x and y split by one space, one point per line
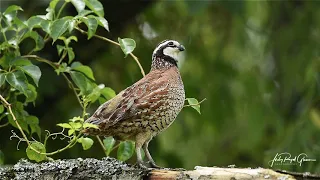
108 143
86 143
194 104
33 155
33 71
125 150
127 45
18 80
95 6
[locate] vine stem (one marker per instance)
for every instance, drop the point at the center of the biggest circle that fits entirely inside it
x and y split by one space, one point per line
71 144
101 143
113 42
8 105
195 104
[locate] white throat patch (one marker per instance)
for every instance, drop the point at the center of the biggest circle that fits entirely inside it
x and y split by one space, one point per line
172 52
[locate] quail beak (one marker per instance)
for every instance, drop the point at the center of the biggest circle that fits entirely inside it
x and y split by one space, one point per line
181 48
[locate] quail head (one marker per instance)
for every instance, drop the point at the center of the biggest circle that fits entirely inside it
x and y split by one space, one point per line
146 108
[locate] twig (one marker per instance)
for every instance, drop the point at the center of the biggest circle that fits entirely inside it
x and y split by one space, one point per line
113 42
101 143
195 104
4 125
115 147
15 120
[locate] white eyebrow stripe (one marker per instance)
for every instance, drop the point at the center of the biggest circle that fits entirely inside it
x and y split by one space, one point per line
159 46
164 43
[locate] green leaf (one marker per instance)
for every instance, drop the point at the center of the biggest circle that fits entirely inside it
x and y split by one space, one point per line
20 24
33 71
2 79
33 122
86 70
79 5
95 94
50 14
75 125
89 125
127 45
12 8
71 25
45 25
77 119
33 155
108 93
86 143
37 39
1 109
60 49
125 150
35 21
195 104
62 68
108 143
11 12
53 4
59 27
5 61
32 93
95 6
103 22
18 80
84 13
20 62
80 80
69 39
64 125
20 114
70 54
92 25
71 131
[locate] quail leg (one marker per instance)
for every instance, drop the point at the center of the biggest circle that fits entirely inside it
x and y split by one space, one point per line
139 157
149 157
141 138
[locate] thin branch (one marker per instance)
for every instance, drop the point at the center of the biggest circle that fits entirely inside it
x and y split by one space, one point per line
195 104
113 42
4 125
62 7
115 147
101 143
15 120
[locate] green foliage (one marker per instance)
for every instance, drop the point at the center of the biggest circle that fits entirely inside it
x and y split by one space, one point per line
125 150
193 102
16 71
21 74
127 45
86 143
108 144
33 155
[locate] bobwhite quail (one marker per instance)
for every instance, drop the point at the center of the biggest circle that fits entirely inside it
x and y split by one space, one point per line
149 106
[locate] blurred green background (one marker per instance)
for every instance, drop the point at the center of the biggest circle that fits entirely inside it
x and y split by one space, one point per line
256 62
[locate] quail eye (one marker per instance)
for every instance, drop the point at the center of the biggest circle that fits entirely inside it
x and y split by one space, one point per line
170 43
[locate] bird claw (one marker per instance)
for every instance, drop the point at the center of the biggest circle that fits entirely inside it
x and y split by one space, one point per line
142 166
153 165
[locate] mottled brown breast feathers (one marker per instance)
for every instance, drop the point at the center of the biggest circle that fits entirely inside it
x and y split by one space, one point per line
138 101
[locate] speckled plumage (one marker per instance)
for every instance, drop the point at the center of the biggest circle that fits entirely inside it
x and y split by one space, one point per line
146 108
